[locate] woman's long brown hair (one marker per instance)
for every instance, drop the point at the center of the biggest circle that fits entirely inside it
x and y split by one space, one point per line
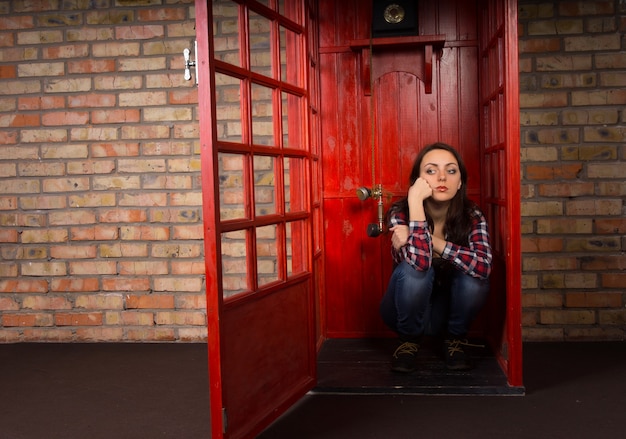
458 223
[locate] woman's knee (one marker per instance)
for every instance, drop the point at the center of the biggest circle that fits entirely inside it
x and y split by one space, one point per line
407 272
470 289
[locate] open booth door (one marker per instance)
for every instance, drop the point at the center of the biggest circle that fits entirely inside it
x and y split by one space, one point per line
499 101
258 162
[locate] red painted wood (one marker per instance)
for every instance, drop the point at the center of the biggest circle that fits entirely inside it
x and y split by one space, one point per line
210 213
261 343
267 358
513 178
500 138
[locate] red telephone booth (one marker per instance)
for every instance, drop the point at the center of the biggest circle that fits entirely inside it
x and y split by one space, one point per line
303 104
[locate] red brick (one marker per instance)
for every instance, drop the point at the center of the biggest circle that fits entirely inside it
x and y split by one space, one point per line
97 233
560 171
161 14
184 318
115 116
99 301
91 100
137 318
609 226
614 280
78 319
46 302
8 304
91 66
26 319
144 334
99 334
143 268
65 118
23 285
188 267
72 285
604 262
541 245
87 267
121 284
539 45
20 120
115 149
139 32
149 301
191 301
593 300
47 334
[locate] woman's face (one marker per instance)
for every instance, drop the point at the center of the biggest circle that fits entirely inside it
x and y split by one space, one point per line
441 170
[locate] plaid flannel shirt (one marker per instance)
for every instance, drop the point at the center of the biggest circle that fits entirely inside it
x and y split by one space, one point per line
474 260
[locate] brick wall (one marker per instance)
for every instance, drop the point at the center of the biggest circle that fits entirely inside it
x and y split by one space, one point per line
573 97
100 196
100 228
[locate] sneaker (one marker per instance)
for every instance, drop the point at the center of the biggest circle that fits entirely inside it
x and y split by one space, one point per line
404 358
456 358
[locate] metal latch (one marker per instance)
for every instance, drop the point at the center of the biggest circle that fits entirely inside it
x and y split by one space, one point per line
190 63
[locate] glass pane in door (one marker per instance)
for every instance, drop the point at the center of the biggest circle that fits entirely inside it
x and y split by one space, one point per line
234 263
260 44
297 247
228 108
295 181
292 111
267 245
231 183
290 47
226 31
262 115
264 185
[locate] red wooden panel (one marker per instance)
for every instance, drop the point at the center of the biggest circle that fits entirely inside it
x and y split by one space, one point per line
266 351
448 18
344 225
469 120
397 103
467 21
341 133
427 17
451 88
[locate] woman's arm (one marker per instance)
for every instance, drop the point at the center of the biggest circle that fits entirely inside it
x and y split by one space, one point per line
476 259
411 242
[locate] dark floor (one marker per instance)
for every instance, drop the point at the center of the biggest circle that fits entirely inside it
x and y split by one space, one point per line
129 391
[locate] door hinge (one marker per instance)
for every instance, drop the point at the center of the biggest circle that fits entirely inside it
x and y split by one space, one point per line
224 420
191 63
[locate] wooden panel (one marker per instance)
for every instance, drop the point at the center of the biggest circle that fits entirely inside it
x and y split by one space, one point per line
352 278
341 136
267 352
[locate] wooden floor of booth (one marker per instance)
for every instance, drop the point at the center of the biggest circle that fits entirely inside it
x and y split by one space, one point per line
362 366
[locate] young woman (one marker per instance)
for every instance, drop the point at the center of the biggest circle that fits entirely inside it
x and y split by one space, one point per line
442 257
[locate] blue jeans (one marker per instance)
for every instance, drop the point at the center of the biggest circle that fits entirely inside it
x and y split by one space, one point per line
430 302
